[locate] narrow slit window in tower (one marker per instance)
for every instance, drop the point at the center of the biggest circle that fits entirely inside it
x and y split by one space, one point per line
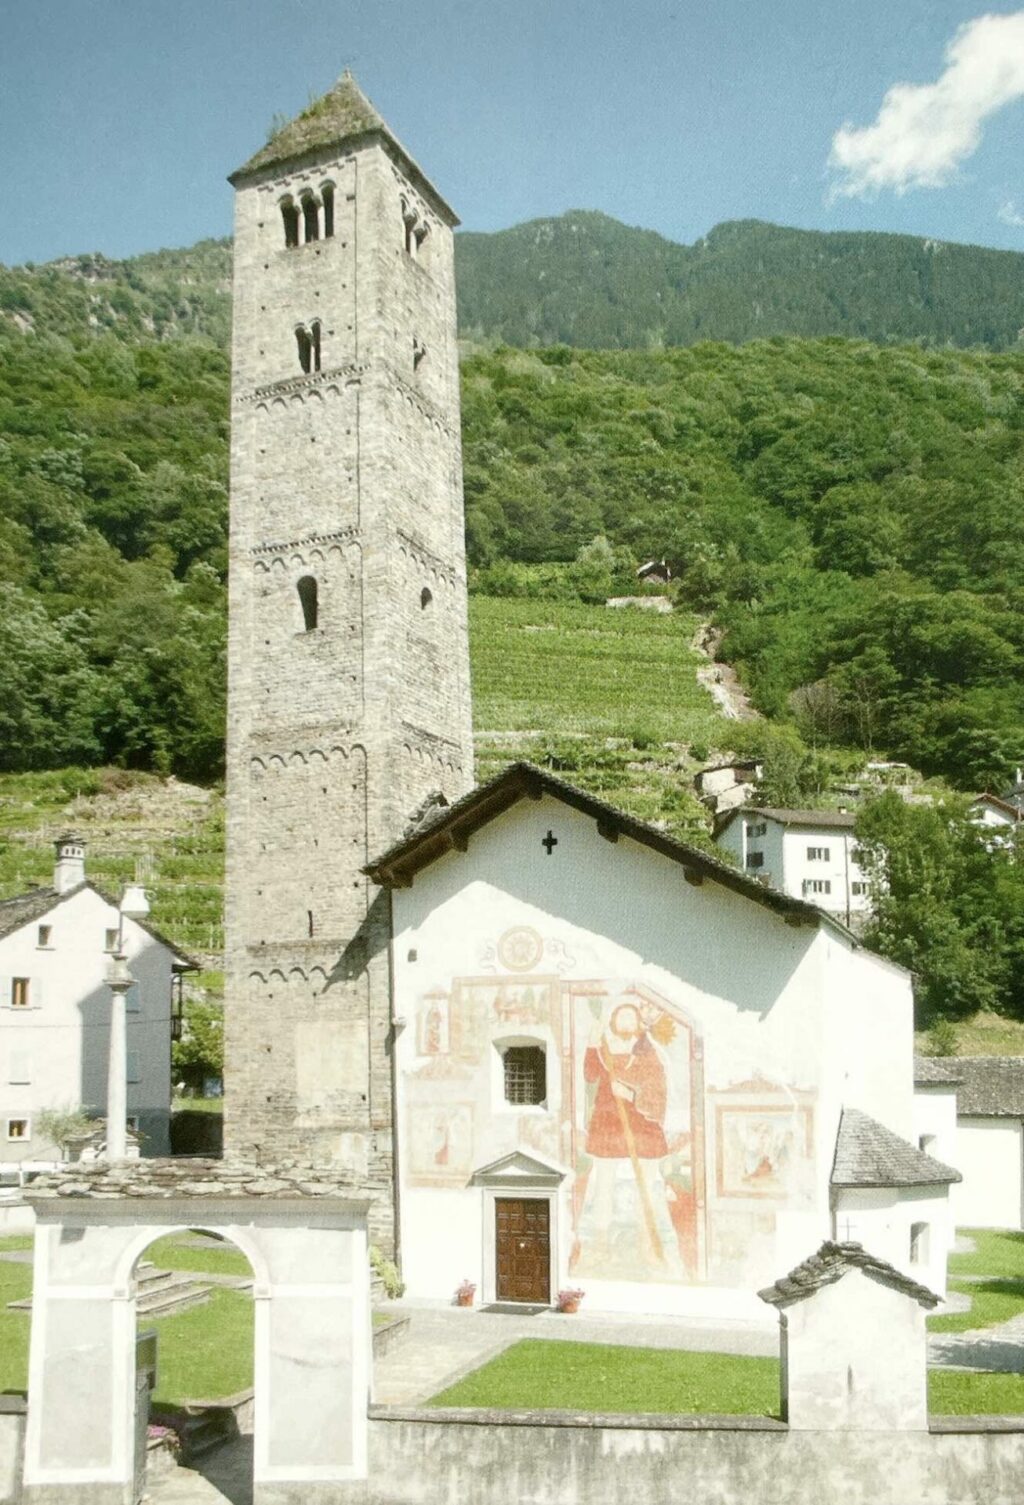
290 216
327 195
419 354
426 596
315 332
307 589
311 218
305 345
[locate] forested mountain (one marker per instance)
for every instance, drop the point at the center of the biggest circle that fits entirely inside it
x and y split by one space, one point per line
586 280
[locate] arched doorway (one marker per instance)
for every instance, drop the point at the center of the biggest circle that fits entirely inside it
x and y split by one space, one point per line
306 1246
195 1321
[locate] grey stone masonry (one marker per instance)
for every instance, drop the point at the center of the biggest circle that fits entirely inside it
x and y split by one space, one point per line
348 659
181 1177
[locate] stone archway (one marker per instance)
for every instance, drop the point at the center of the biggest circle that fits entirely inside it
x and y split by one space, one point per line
306 1243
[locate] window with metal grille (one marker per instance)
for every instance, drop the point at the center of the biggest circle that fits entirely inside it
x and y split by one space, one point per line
525 1074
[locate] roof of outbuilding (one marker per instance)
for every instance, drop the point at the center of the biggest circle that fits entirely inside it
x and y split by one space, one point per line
343 114
869 1154
23 909
830 1264
843 820
936 1071
451 827
986 1086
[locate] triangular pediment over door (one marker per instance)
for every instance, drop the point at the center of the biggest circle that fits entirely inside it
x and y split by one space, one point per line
519 1169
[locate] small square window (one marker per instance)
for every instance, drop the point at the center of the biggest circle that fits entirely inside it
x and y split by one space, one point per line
45 936
919 1243
755 859
525 1070
817 854
133 1066
21 992
110 940
17 1128
132 1122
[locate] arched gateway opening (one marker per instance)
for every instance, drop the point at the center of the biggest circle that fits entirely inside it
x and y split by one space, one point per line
305 1244
194 1395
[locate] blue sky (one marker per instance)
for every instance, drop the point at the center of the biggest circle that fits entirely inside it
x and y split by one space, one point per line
119 119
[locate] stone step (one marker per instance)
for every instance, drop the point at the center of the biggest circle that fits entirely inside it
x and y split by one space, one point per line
175 1295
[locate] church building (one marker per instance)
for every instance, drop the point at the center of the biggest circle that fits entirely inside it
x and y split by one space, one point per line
556 1046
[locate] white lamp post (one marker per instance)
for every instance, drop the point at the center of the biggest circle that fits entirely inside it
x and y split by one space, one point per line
119 980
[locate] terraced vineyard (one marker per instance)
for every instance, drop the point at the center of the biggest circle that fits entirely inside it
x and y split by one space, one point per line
609 698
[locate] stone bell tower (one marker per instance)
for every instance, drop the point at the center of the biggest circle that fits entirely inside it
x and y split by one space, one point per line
348 671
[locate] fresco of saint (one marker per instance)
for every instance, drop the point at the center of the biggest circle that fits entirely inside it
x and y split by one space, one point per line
637 1091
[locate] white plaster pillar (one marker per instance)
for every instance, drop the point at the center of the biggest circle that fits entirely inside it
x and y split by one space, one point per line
119 980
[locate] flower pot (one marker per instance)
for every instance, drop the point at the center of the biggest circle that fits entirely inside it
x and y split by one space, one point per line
569 1306
465 1298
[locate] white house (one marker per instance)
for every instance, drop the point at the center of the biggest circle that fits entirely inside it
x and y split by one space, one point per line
56 945
624 1066
809 854
970 1109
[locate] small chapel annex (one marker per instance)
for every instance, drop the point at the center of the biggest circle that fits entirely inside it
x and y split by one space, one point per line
552 1045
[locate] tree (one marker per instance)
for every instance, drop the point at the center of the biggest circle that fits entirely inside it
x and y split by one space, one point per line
200 1051
62 1126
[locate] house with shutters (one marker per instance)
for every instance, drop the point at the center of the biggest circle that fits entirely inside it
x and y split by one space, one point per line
622 1065
810 854
56 946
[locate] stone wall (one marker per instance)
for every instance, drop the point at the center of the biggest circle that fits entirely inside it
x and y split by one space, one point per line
490 1458
351 475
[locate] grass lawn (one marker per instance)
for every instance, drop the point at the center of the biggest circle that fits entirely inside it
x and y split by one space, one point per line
173 1253
15 1284
206 1352
995 1254
554 1376
535 1374
992 1302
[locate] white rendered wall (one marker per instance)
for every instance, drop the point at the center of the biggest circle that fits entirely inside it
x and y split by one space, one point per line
606 918
60 1041
988 1156
786 865
935 1123
881 1218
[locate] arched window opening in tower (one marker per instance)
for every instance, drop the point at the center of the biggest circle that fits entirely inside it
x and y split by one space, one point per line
290 217
305 347
327 198
315 333
409 218
307 589
420 234
310 218
426 597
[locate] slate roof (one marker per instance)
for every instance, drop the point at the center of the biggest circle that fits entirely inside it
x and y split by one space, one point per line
986 1086
343 114
451 826
869 1154
830 1264
25 908
840 820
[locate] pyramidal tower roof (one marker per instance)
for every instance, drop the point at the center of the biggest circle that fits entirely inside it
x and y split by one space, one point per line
341 115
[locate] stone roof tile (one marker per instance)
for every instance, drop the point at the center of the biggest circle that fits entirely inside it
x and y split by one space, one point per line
869 1154
986 1086
830 1264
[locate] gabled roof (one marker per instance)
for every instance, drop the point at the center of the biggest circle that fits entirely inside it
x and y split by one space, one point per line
840 820
869 1154
986 1086
341 116
24 909
451 827
1013 811
830 1264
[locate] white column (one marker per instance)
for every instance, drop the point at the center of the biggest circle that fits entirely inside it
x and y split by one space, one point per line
119 980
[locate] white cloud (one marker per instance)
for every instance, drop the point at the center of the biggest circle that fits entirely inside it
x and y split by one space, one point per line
1010 214
923 132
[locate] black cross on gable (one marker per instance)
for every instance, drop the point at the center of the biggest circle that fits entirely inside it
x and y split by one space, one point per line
549 843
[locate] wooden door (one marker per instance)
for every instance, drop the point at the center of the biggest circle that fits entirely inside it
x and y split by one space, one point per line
523 1249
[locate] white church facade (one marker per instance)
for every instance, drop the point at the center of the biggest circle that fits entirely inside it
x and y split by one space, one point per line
622 1067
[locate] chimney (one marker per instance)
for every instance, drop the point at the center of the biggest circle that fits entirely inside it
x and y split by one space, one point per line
134 903
69 869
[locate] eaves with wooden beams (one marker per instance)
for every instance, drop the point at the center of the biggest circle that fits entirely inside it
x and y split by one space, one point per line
452 827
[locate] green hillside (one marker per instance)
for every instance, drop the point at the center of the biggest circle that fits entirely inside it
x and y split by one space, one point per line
584 279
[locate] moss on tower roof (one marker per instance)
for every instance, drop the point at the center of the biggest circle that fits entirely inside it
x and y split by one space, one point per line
342 114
